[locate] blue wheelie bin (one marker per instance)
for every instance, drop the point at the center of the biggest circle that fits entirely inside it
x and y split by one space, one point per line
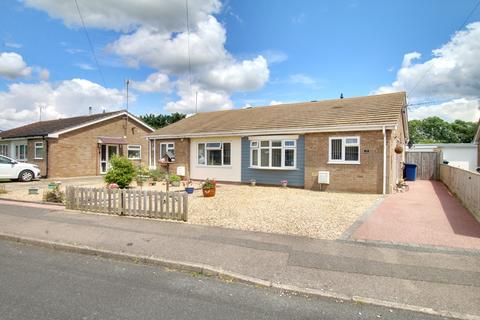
410 171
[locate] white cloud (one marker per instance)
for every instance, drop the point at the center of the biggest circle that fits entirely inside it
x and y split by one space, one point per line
244 76
85 66
43 74
452 72
206 100
452 75
20 104
13 66
169 52
11 44
127 15
463 109
274 56
156 82
275 102
155 35
302 79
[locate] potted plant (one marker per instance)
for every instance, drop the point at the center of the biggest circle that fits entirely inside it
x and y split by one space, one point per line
253 182
174 180
188 186
398 148
284 183
209 188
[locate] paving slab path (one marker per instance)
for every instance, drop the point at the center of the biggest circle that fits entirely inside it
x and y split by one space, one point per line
445 281
428 214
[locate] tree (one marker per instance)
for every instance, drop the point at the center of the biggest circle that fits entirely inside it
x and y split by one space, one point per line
437 130
162 120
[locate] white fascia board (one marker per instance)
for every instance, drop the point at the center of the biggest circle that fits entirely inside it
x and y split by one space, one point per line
21 138
86 124
276 131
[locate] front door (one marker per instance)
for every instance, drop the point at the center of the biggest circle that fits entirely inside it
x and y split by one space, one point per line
106 152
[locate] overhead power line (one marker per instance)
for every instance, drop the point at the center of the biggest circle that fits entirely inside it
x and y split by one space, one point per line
90 44
464 23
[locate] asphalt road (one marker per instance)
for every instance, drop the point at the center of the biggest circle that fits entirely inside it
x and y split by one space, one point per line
39 283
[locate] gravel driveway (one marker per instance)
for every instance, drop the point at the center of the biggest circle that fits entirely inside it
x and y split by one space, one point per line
279 210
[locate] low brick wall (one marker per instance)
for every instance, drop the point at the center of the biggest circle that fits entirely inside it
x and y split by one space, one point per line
465 185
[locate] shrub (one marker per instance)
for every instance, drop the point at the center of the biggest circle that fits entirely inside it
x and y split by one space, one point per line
122 172
54 195
157 174
173 178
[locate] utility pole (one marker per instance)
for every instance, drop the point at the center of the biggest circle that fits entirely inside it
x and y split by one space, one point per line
127 83
196 101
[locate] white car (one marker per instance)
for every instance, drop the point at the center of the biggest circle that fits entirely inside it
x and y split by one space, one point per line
12 169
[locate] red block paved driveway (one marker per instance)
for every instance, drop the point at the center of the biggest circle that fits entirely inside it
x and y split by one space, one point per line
426 214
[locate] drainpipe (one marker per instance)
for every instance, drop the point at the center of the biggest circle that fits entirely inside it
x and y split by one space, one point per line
384 160
46 156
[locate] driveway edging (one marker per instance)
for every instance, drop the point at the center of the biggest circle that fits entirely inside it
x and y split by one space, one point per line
208 270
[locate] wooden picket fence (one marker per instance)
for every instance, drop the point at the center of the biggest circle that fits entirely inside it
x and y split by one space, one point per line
138 203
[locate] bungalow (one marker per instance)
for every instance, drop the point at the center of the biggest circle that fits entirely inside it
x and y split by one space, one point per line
355 144
78 146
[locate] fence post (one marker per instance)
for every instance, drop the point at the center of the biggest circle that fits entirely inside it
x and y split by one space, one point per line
185 207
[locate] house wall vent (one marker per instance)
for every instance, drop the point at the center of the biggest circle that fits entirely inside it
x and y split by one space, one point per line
323 177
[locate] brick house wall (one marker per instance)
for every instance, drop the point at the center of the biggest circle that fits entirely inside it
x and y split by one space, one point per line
77 153
182 154
366 177
41 163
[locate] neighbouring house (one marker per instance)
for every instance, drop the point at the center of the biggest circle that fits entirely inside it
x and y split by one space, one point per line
338 145
460 155
78 146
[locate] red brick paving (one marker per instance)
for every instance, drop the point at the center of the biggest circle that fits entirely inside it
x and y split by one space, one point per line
426 214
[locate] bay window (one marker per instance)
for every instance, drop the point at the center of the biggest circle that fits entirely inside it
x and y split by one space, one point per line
214 153
344 150
273 154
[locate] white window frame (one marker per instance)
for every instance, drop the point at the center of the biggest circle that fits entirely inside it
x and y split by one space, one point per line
134 147
167 148
256 145
4 150
25 152
214 148
344 144
38 145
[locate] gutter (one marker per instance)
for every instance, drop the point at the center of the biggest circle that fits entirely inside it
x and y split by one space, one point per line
274 131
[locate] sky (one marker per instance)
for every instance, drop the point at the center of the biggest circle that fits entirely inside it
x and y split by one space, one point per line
242 53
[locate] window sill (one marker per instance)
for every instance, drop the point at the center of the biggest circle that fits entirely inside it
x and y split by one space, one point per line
207 166
134 158
273 168
343 162
37 158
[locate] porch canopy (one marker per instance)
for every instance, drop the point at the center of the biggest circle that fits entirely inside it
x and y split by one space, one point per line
112 140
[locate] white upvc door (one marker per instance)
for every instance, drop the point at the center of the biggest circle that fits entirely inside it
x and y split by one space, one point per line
107 151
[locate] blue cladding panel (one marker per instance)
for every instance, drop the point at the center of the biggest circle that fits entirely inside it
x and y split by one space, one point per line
268 176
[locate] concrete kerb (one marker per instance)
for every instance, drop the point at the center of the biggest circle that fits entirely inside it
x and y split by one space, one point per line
208 270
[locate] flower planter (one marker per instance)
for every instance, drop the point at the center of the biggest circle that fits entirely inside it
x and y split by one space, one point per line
189 190
398 149
209 192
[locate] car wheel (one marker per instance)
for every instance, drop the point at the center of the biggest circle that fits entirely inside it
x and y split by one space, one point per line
26 176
